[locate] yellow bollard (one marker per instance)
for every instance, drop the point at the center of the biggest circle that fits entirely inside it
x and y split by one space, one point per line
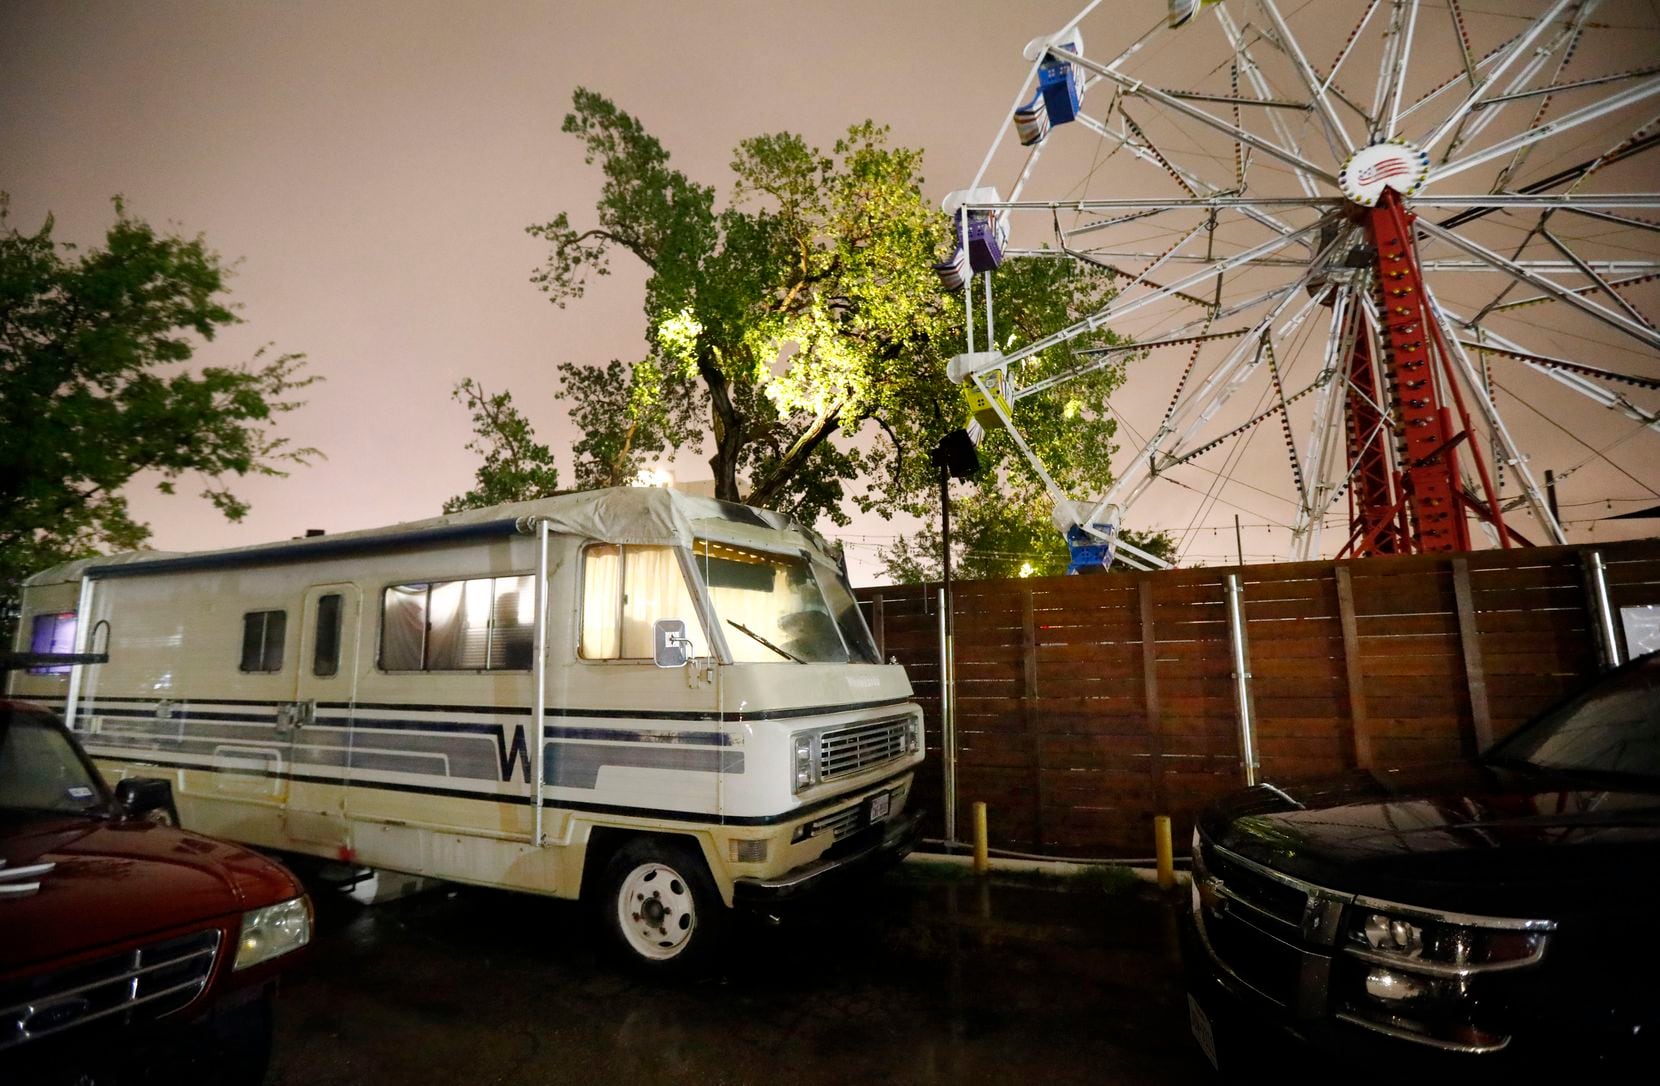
1164 851
982 854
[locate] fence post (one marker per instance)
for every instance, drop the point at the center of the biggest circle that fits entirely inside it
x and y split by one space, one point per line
1242 677
1029 694
1150 685
1481 719
1602 613
948 736
1359 723
879 622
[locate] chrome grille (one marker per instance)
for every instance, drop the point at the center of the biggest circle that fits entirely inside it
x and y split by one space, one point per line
849 750
141 984
840 824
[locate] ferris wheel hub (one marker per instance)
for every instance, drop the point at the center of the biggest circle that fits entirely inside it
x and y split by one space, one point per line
1390 164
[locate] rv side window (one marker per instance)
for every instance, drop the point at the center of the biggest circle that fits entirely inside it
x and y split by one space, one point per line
325 654
52 633
624 590
481 624
262 634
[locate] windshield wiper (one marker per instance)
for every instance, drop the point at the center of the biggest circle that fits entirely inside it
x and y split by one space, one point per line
782 652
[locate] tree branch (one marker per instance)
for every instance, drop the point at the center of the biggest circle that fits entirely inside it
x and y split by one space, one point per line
786 468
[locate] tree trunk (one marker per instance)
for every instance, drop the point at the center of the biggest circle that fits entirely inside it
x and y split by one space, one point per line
728 429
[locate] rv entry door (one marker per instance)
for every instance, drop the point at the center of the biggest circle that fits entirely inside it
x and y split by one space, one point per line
317 722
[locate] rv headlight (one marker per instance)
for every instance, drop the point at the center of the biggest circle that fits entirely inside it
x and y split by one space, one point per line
804 775
273 931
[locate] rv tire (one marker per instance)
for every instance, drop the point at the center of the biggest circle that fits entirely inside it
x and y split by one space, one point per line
661 907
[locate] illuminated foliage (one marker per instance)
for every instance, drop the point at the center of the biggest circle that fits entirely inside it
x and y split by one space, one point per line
798 334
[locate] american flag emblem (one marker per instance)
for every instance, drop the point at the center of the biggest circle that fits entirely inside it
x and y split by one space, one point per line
1383 171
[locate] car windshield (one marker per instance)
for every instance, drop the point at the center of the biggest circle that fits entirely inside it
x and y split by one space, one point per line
1614 728
40 770
777 607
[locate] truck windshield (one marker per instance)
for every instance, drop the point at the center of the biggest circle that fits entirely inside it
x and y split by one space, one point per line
39 769
1612 728
799 604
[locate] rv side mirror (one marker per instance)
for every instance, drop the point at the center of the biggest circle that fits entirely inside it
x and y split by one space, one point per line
669 643
146 798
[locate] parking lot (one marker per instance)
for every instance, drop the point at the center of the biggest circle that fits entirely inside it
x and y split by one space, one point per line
929 976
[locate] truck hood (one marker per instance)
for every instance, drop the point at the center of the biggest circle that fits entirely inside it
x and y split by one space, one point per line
117 881
1466 837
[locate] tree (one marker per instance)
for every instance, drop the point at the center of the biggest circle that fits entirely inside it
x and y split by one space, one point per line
95 388
516 467
800 331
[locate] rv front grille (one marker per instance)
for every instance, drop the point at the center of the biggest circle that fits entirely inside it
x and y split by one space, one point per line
857 748
841 823
135 985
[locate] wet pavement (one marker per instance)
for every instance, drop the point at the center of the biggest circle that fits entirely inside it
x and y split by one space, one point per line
928 976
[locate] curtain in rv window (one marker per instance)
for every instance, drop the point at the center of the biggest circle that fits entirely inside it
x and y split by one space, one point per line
625 589
480 624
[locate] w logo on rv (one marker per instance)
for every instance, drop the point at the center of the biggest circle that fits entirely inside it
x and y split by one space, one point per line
515 756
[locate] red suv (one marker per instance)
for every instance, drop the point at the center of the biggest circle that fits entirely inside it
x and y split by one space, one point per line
127 945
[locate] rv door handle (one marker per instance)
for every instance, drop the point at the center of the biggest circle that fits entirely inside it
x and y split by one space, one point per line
295 714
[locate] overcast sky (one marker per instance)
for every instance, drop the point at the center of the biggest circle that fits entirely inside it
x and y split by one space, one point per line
370 169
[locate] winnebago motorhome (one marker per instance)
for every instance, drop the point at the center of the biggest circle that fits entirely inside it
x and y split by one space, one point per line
715 725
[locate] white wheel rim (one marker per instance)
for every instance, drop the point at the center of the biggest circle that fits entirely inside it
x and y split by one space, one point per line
656 912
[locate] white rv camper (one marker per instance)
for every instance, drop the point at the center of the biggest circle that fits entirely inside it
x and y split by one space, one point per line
666 703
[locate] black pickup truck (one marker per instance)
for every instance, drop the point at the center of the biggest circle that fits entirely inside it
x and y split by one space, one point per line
1490 919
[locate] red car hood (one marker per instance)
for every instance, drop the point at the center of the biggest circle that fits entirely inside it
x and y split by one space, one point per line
118 881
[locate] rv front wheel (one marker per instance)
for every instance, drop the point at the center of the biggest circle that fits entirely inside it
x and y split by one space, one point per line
661 905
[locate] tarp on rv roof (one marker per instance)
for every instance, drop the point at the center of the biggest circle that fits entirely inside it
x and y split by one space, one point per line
637 515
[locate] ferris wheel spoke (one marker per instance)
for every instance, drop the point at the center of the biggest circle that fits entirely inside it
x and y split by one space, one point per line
1440 90
1318 92
1391 114
1502 64
1639 331
1536 299
1325 423
1484 112
1251 211
1569 201
1120 306
1495 422
1259 83
1176 105
1487 339
1602 284
1228 379
1647 89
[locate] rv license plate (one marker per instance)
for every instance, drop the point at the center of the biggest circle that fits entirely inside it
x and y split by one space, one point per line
880 805
1199 1022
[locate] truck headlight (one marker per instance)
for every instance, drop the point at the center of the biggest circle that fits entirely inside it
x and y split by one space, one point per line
273 931
1445 946
805 771
1420 973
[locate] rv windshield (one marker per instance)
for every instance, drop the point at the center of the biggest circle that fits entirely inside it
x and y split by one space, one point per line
800 605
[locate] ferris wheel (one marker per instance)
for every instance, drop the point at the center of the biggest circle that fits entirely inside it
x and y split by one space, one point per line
1412 243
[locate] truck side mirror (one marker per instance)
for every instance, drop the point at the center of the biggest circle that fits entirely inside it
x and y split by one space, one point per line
670 647
147 798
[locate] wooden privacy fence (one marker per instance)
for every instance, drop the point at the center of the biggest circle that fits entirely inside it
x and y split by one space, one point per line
1085 705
